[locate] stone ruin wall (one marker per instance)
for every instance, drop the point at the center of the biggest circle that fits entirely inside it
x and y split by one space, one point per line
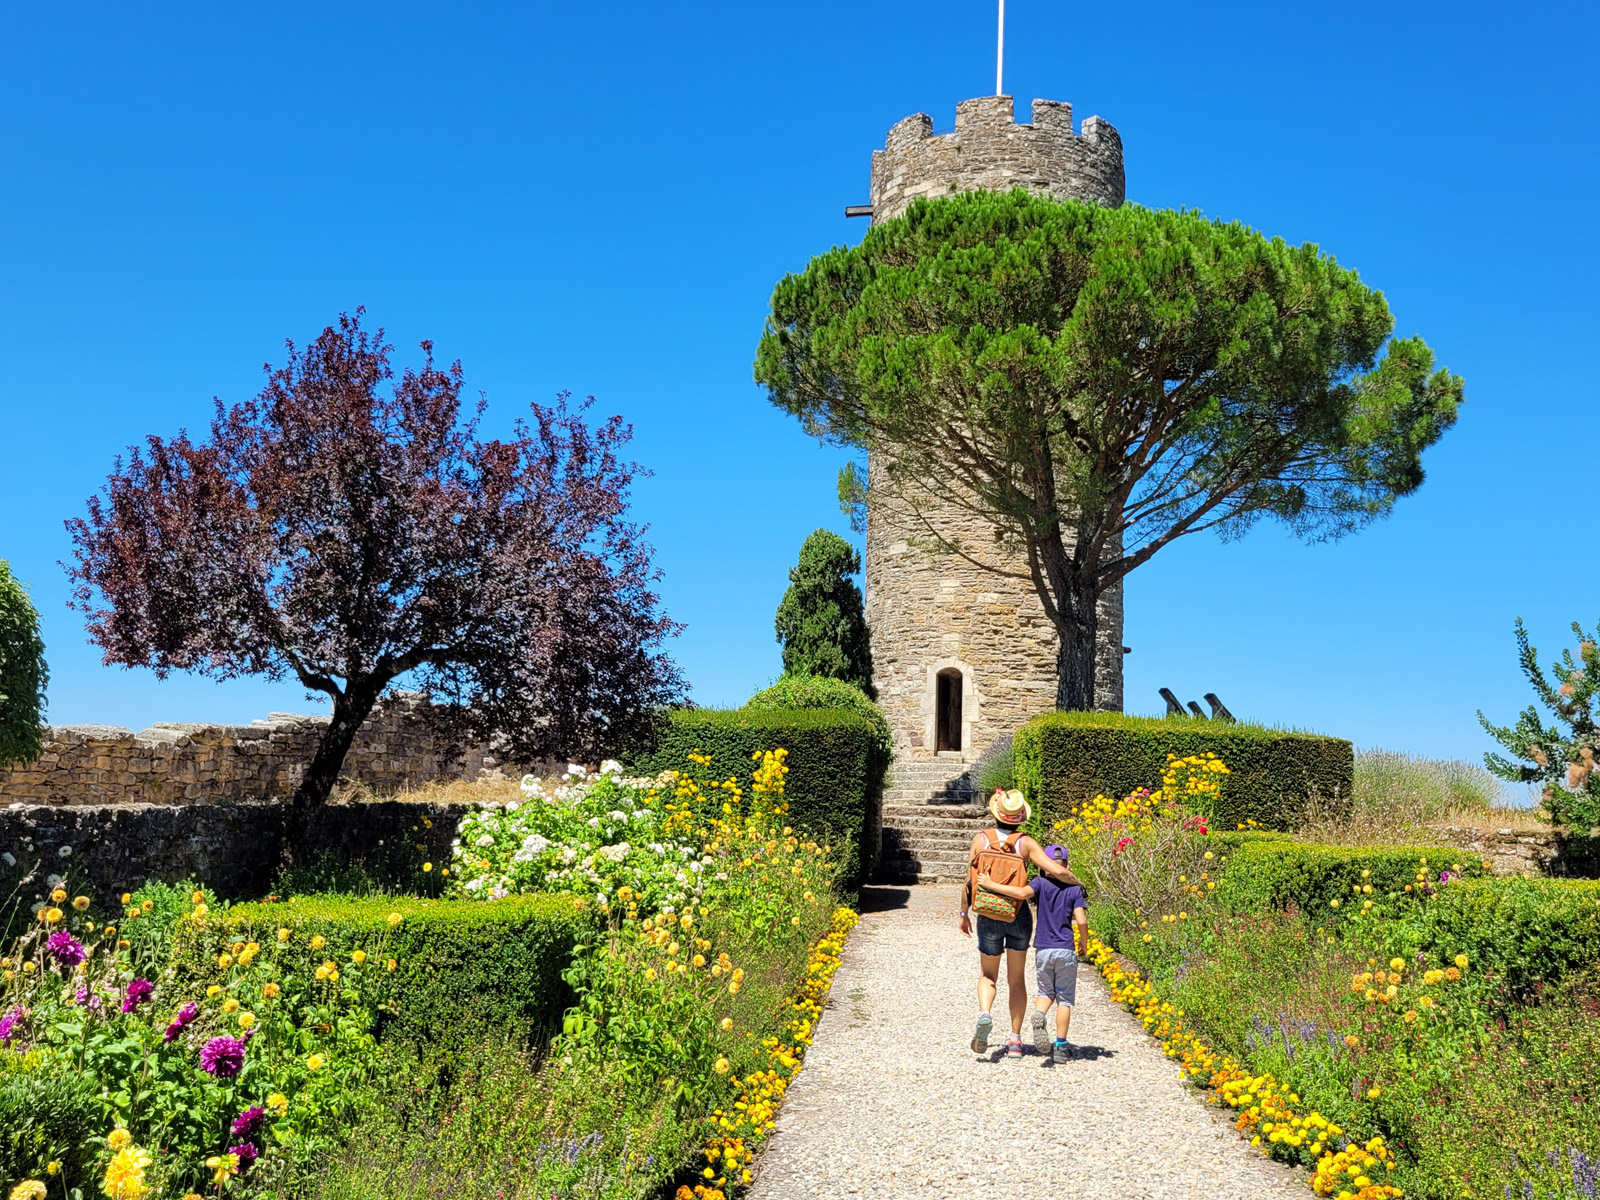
929 611
181 763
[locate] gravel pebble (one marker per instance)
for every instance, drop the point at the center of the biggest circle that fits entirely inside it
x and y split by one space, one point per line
892 1101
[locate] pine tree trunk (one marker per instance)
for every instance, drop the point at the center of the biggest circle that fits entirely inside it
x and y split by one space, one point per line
1075 655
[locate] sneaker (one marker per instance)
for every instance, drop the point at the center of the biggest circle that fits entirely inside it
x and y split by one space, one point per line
1061 1052
980 1039
1014 1047
1041 1032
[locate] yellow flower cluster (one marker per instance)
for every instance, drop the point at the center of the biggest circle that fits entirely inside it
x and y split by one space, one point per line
125 1172
1348 1171
1193 783
1266 1108
761 1093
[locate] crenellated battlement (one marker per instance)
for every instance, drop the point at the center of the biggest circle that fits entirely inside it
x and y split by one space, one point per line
989 151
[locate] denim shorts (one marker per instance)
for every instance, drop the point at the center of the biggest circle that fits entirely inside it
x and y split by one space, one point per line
995 936
1057 974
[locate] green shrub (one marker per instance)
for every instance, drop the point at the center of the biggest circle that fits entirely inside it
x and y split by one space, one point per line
47 1117
462 966
835 788
1063 759
22 673
820 619
996 767
1263 874
1529 932
818 691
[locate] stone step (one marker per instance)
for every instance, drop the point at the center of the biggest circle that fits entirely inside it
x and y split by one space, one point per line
950 859
943 812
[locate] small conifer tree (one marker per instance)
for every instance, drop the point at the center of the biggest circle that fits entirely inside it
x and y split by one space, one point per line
22 673
1564 759
820 621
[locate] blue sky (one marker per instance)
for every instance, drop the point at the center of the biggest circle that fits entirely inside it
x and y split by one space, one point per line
600 197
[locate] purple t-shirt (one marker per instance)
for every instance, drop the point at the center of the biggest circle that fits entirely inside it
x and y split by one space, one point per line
1056 902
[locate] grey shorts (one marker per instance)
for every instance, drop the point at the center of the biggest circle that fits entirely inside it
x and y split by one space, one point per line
1057 975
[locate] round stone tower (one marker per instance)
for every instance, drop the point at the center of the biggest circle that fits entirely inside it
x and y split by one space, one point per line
963 655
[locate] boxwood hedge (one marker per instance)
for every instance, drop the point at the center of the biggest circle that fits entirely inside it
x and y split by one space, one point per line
1063 759
835 787
1266 873
461 965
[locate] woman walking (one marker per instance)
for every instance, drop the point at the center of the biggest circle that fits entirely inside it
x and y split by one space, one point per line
1005 925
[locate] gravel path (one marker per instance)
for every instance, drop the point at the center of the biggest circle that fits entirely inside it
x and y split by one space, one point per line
892 1101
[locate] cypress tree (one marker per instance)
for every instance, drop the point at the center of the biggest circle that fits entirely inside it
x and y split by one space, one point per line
22 673
820 621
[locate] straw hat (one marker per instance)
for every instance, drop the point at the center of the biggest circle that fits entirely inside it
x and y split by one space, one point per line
1009 808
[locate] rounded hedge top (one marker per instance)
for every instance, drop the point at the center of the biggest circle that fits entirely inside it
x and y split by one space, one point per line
820 691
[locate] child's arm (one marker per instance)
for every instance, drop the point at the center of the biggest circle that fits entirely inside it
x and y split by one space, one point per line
1005 889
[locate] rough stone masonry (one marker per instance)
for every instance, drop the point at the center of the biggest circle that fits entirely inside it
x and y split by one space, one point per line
186 763
932 613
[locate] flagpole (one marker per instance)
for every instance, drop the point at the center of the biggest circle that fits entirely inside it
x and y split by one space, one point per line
1000 53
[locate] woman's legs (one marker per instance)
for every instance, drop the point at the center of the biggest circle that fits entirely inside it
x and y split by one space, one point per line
1016 986
988 980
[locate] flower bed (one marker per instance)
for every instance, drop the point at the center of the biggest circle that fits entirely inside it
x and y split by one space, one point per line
1357 1008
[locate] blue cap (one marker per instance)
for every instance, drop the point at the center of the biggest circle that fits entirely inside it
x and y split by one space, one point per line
1056 850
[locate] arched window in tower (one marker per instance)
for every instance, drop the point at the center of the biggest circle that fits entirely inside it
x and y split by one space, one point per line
947 711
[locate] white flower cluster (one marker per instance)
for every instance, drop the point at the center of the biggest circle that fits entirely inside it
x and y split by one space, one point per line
588 835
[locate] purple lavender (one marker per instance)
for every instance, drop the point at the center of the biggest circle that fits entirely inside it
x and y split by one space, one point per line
9 1023
185 1014
247 1122
138 992
247 1155
222 1057
1585 1172
65 949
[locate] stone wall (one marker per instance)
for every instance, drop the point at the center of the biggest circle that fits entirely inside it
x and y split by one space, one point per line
1528 852
103 850
186 763
930 611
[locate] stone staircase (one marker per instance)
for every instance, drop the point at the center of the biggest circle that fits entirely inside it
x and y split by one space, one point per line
930 812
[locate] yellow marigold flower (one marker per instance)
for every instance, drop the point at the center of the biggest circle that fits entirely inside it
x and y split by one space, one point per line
390 965
727 1023
699 960
1374 1092
318 941
81 903
224 961
1351 1040
278 1103
58 895
394 919
322 974
127 897
426 867
50 915
1452 974
246 1020
197 897
722 1066
1333 903
53 1167
230 1005
650 973
1425 1001
1461 961
733 988
29 1189
315 1062
148 905
358 957
213 991
1397 964
283 935
1409 1016
270 991
118 1138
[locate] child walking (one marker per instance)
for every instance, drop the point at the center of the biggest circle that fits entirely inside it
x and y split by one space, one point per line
1061 937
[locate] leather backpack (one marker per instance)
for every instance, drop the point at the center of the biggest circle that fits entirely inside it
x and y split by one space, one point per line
1001 863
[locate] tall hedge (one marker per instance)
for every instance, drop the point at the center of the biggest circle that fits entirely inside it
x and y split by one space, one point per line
1063 759
462 966
835 787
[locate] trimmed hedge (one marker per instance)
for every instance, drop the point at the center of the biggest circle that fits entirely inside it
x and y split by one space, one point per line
1529 932
471 965
1265 873
835 787
1063 759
